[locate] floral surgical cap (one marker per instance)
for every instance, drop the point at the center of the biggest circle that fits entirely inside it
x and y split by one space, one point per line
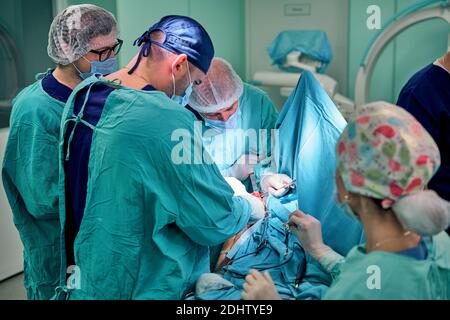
386 154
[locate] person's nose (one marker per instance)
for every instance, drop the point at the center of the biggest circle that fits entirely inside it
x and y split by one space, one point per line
226 116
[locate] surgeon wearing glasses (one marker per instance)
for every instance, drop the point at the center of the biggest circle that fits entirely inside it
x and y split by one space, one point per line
102 61
82 40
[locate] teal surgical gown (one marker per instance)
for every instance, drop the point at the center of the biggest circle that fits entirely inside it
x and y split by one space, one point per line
256 112
149 217
30 178
400 277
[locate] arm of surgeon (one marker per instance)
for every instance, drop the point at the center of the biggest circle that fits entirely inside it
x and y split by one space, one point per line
207 211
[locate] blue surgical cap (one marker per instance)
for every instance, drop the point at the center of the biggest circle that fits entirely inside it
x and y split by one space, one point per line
184 35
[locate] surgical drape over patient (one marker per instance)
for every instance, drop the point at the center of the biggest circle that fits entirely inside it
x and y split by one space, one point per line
309 127
307 154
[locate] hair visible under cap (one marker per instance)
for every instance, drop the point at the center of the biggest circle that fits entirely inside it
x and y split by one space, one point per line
157 53
73 32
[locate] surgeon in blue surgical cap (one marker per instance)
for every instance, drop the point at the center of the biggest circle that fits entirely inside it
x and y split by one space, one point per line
138 223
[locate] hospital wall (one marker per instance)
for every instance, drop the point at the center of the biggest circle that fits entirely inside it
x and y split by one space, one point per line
409 52
109 5
224 21
26 22
243 29
265 19
345 22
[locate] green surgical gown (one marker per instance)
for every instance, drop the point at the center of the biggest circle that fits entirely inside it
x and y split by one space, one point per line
400 277
257 112
149 218
30 178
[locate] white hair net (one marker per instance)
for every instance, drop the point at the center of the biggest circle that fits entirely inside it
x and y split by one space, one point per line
78 30
219 90
424 213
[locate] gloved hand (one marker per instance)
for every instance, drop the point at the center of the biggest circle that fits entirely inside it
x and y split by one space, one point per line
276 184
259 287
258 210
244 166
236 185
308 230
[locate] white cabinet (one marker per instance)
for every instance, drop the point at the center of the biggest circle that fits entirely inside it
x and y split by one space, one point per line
11 261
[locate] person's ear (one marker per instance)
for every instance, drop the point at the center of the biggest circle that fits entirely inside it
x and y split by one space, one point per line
178 63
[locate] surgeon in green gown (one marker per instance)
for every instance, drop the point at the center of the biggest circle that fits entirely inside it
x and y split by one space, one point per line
30 167
239 128
141 200
385 160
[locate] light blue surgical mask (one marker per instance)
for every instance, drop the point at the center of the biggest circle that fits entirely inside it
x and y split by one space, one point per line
103 67
184 99
221 126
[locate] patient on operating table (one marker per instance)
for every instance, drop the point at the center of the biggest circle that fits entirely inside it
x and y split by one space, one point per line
283 185
309 127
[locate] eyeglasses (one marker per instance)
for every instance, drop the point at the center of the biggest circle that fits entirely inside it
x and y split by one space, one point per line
105 54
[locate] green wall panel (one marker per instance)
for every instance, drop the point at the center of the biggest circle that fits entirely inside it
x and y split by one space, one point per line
224 21
417 47
360 35
409 52
109 5
137 16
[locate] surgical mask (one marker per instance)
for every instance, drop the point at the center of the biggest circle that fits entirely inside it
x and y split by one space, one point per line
184 99
103 67
221 126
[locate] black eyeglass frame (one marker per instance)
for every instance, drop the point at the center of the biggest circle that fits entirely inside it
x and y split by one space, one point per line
116 49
